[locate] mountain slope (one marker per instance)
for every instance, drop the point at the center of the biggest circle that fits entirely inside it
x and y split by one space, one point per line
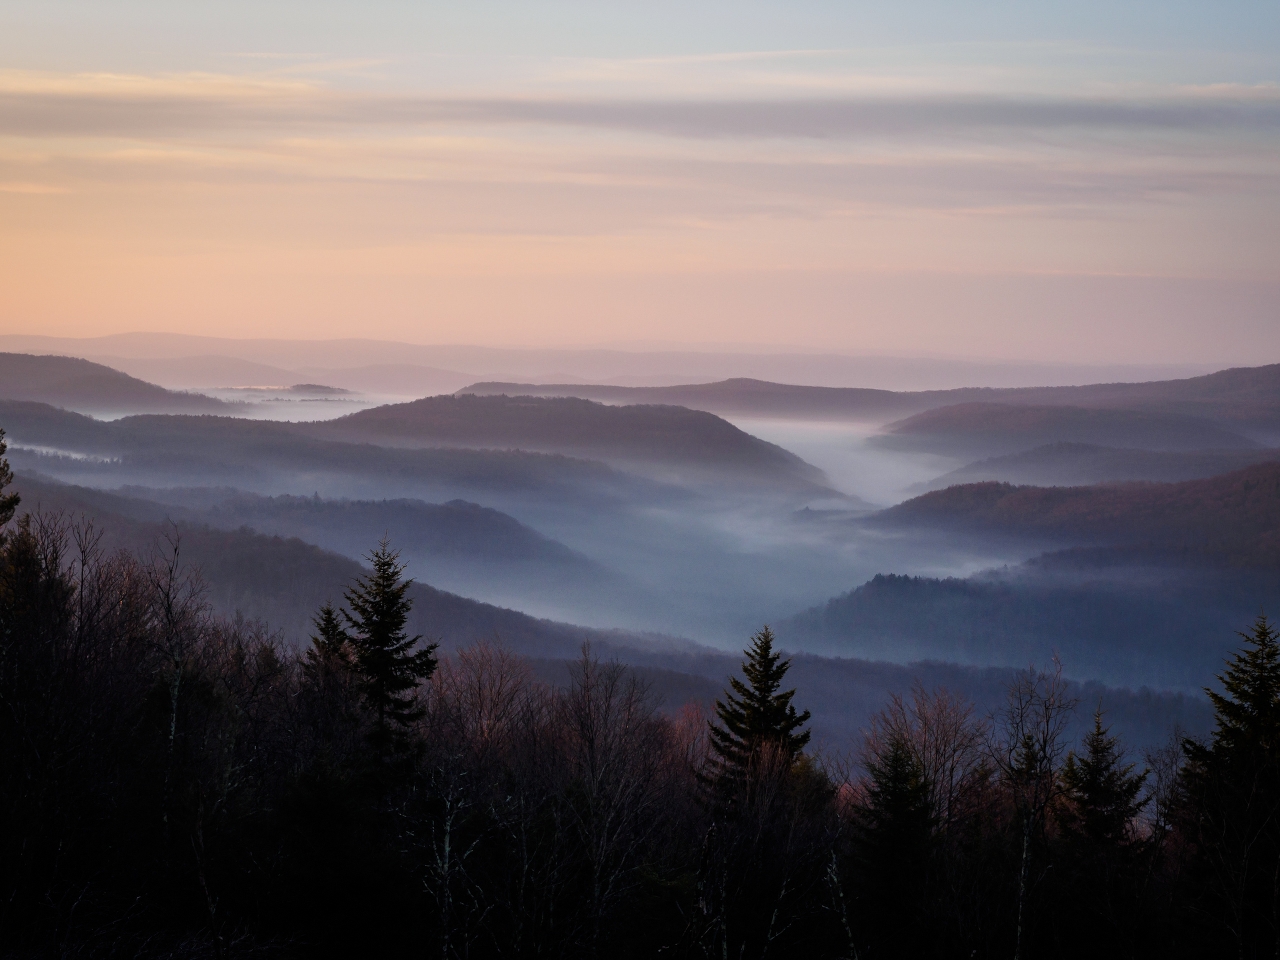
1079 464
284 580
977 429
1121 625
457 529
667 435
156 450
1245 396
1234 518
90 387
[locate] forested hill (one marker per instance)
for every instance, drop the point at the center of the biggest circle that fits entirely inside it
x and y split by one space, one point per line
90 387
252 454
285 580
644 433
739 396
1233 518
1076 464
1248 396
984 429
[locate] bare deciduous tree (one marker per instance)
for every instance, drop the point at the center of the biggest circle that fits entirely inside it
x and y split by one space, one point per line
1027 746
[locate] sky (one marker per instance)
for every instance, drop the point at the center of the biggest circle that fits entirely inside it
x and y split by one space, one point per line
1080 182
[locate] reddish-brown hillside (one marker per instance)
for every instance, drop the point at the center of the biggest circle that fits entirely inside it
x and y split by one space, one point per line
995 428
1235 517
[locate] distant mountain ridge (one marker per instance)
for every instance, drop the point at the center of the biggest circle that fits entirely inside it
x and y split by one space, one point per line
1077 464
976 429
80 385
1248 396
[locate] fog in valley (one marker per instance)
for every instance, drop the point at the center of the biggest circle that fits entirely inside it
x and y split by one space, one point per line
693 514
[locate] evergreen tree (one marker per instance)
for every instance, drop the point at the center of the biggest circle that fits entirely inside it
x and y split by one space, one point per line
1247 712
1101 854
330 644
388 666
1102 792
759 716
329 675
1231 796
8 501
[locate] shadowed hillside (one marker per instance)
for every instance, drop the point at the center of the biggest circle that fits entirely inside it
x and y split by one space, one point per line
284 580
1233 518
666 435
1247 396
184 451
1125 625
80 385
740 396
456 530
977 429
1077 464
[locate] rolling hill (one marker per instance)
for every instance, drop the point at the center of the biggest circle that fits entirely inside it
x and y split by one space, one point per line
1245 397
737 397
156 450
669 436
1121 625
1077 464
457 529
993 429
92 388
1232 519
284 580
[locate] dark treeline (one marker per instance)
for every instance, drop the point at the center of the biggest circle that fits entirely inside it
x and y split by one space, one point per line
173 784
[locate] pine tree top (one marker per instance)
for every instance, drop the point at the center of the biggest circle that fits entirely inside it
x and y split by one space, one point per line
1247 712
384 655
757 712
1103 791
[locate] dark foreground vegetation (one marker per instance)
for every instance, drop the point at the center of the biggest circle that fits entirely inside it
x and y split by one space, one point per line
173 784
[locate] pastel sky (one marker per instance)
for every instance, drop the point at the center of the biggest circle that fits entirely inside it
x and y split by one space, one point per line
1072 181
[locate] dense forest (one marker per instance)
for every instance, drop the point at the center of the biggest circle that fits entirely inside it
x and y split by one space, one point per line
176 784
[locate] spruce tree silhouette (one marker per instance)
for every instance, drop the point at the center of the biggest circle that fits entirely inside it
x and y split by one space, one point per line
1103 793
1231 791
389 667
756 717
1247 713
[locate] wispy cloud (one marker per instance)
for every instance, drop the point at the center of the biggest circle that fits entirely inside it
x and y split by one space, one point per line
115 106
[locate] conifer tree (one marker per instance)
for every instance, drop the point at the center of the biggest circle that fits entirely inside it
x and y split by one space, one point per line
1247 712
330 643
1100 856
757 714
8 501
389 667
1231 791
1103 793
